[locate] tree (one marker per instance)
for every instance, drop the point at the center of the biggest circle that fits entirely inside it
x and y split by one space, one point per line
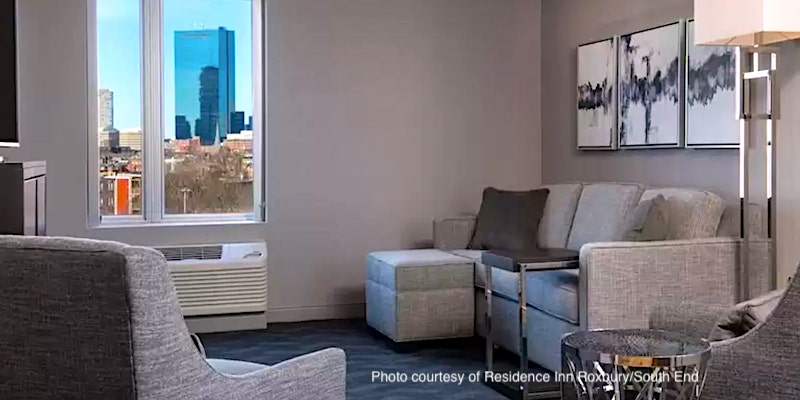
211 182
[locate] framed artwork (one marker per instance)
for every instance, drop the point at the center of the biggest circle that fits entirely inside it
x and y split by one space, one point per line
711 120
597 99
650 87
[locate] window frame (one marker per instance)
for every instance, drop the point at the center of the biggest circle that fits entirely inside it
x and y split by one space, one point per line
152 84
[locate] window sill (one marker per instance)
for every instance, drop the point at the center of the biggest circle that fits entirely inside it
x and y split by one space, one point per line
182 223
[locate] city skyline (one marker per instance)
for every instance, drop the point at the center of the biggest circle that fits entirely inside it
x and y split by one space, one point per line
119 67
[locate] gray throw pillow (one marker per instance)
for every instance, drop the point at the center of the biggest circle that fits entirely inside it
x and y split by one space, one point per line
745 316
649 221
509 220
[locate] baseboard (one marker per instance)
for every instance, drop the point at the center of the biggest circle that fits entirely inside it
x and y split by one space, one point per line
315 313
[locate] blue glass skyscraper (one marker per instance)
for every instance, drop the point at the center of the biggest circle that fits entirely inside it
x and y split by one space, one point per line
204 84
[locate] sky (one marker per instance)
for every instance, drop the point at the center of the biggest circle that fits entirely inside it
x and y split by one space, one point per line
119 52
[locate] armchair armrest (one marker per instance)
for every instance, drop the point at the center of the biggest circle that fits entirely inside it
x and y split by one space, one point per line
691 319
319 375
620 282
453 233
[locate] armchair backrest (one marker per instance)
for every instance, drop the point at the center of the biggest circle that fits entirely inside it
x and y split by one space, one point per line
92 319
65 328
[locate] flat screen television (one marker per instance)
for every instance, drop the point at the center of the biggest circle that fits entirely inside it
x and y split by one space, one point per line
9 136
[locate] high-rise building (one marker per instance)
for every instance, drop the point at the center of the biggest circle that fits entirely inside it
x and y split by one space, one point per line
237 122
131 139
183 129
204 84
105 109
108 138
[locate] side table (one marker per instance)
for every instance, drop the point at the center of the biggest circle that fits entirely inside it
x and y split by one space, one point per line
635 364
521 262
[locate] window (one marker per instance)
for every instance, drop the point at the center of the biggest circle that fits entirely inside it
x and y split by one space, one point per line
179 111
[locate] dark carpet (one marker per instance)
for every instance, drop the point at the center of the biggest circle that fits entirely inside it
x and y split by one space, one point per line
366 352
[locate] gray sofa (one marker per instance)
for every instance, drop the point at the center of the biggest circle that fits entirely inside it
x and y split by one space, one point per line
84 319
618 282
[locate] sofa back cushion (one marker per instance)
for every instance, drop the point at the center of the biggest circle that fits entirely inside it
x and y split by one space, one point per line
693 213
601 212
558 214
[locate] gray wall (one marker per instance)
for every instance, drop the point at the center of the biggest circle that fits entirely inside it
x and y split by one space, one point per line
569 23
383 114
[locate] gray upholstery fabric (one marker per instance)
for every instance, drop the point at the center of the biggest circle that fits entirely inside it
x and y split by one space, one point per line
165 362
420 294
474 255
51 301
649 221
601 212
552 292
619 283
622 281
454 232
729 224
762 364
408 270
745 316
692 213
544 331
558 214
691 319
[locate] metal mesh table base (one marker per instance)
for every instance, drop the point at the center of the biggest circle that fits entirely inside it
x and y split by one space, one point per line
637 369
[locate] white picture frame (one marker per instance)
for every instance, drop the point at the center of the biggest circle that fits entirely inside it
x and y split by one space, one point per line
597 95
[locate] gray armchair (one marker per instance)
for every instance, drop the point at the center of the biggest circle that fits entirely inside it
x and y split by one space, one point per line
762 364
100 320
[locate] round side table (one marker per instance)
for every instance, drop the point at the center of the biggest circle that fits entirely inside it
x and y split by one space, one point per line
634 364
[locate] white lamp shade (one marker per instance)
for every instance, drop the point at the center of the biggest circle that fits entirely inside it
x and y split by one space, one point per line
746 22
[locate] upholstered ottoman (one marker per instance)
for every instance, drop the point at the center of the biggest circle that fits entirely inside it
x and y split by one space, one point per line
415 295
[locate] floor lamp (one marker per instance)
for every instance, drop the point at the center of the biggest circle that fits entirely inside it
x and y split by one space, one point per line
752 26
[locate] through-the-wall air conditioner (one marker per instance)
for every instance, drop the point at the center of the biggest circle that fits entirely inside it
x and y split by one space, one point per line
222 286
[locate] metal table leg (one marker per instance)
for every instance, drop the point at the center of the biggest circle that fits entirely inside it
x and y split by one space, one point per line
523 389
523 329
488 318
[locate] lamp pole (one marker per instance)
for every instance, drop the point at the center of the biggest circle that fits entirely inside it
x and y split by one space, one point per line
748 72
184 192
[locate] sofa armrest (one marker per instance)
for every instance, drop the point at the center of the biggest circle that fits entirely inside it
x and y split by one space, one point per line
453 233
691 319
620 282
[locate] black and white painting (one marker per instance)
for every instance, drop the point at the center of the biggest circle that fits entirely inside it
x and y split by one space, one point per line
597 111
710 94
650 87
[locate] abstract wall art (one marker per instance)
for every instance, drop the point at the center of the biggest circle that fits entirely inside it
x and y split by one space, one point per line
710 94
650 96
597 111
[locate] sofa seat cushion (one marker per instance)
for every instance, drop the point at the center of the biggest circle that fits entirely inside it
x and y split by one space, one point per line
693 213
601 213
552 292
474 255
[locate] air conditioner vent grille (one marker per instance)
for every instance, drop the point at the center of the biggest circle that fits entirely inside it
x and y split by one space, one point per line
191 253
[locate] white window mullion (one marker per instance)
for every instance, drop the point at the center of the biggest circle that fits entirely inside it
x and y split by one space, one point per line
259 127
152 109
93 150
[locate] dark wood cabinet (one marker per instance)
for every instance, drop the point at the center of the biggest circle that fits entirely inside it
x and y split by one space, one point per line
23 188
